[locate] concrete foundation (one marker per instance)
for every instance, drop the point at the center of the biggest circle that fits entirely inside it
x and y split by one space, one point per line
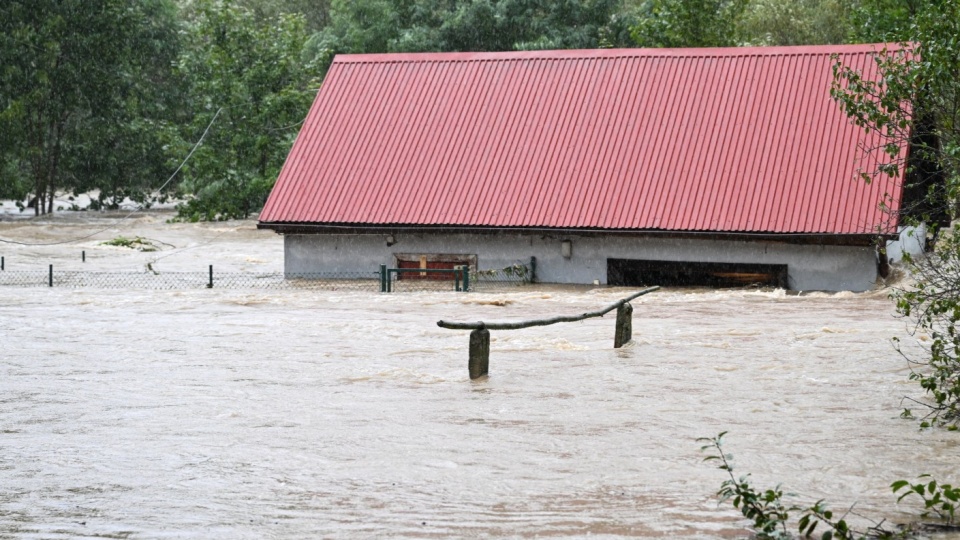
582 259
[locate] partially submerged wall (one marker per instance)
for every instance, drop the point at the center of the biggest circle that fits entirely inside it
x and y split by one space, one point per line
811 267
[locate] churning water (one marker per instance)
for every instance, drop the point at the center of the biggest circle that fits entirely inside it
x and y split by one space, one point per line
285 414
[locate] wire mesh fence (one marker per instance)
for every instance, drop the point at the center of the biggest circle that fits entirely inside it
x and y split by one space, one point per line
344 281
511 276
323 281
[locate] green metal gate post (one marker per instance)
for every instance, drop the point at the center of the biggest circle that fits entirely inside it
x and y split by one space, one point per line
466 278
210 283
383 278
51 276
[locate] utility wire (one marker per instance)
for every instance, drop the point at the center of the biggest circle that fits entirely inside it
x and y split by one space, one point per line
139 208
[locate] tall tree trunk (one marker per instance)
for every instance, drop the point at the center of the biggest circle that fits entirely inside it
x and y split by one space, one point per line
35 136
57 128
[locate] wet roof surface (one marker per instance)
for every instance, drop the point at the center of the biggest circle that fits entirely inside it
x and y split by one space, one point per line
729 139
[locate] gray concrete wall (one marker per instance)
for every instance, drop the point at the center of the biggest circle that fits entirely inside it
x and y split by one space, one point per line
811 267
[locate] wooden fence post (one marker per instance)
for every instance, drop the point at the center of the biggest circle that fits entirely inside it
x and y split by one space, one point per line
479 362
624 329
480 334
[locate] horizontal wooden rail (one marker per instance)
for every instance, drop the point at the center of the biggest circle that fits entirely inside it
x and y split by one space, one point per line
479 354
480 325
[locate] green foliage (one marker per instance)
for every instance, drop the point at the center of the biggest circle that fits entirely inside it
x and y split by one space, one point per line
109 96
13 183
933 302
137 243
74 73
916 102
796 22
765 509
249 75
126 151
690 23
233 196
940 500
316 13
880 21
770 515
377 26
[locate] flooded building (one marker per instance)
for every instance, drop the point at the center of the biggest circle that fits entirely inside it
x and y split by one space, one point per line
635 166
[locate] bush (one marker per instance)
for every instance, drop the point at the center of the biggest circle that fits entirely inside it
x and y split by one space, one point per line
933 303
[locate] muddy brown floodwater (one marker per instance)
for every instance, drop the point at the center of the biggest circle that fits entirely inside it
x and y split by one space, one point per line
284 414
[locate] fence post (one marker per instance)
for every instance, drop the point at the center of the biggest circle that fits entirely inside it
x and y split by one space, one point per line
83 256
1 263
479 362
624 329
456 278
383 278
210 283
533 269
50 279
466 280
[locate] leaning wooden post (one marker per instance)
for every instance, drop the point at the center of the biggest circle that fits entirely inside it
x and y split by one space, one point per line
479 362
624 330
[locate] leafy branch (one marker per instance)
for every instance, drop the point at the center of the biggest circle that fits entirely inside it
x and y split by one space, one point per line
938 499
770 515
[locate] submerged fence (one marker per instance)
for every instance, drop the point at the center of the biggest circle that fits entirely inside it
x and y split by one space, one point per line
381 280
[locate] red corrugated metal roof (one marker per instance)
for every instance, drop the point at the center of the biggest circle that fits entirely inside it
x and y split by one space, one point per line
735 140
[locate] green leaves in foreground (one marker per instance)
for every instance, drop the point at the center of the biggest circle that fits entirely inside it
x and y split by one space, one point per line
938 499
770 515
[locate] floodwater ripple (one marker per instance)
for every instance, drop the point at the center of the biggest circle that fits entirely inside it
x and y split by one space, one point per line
149 414
216 413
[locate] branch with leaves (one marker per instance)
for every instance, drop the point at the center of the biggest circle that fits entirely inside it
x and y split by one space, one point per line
770 515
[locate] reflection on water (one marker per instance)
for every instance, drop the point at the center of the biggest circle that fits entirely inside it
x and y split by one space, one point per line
213 413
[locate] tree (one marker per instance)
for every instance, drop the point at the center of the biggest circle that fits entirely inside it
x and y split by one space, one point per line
69 64
882 21
689 23
250 76
376 26
316 13
916 101
797 22
126 151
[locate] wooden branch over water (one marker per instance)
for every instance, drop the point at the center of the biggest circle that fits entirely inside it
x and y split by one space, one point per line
454 325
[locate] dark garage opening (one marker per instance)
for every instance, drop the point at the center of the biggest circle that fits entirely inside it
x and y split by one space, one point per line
637 272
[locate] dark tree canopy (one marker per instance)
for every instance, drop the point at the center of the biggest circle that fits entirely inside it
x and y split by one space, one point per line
75 79
109 96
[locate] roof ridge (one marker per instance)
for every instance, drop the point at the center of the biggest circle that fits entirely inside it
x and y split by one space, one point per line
583 54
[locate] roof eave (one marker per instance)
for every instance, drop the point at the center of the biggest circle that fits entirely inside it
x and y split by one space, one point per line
826 238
